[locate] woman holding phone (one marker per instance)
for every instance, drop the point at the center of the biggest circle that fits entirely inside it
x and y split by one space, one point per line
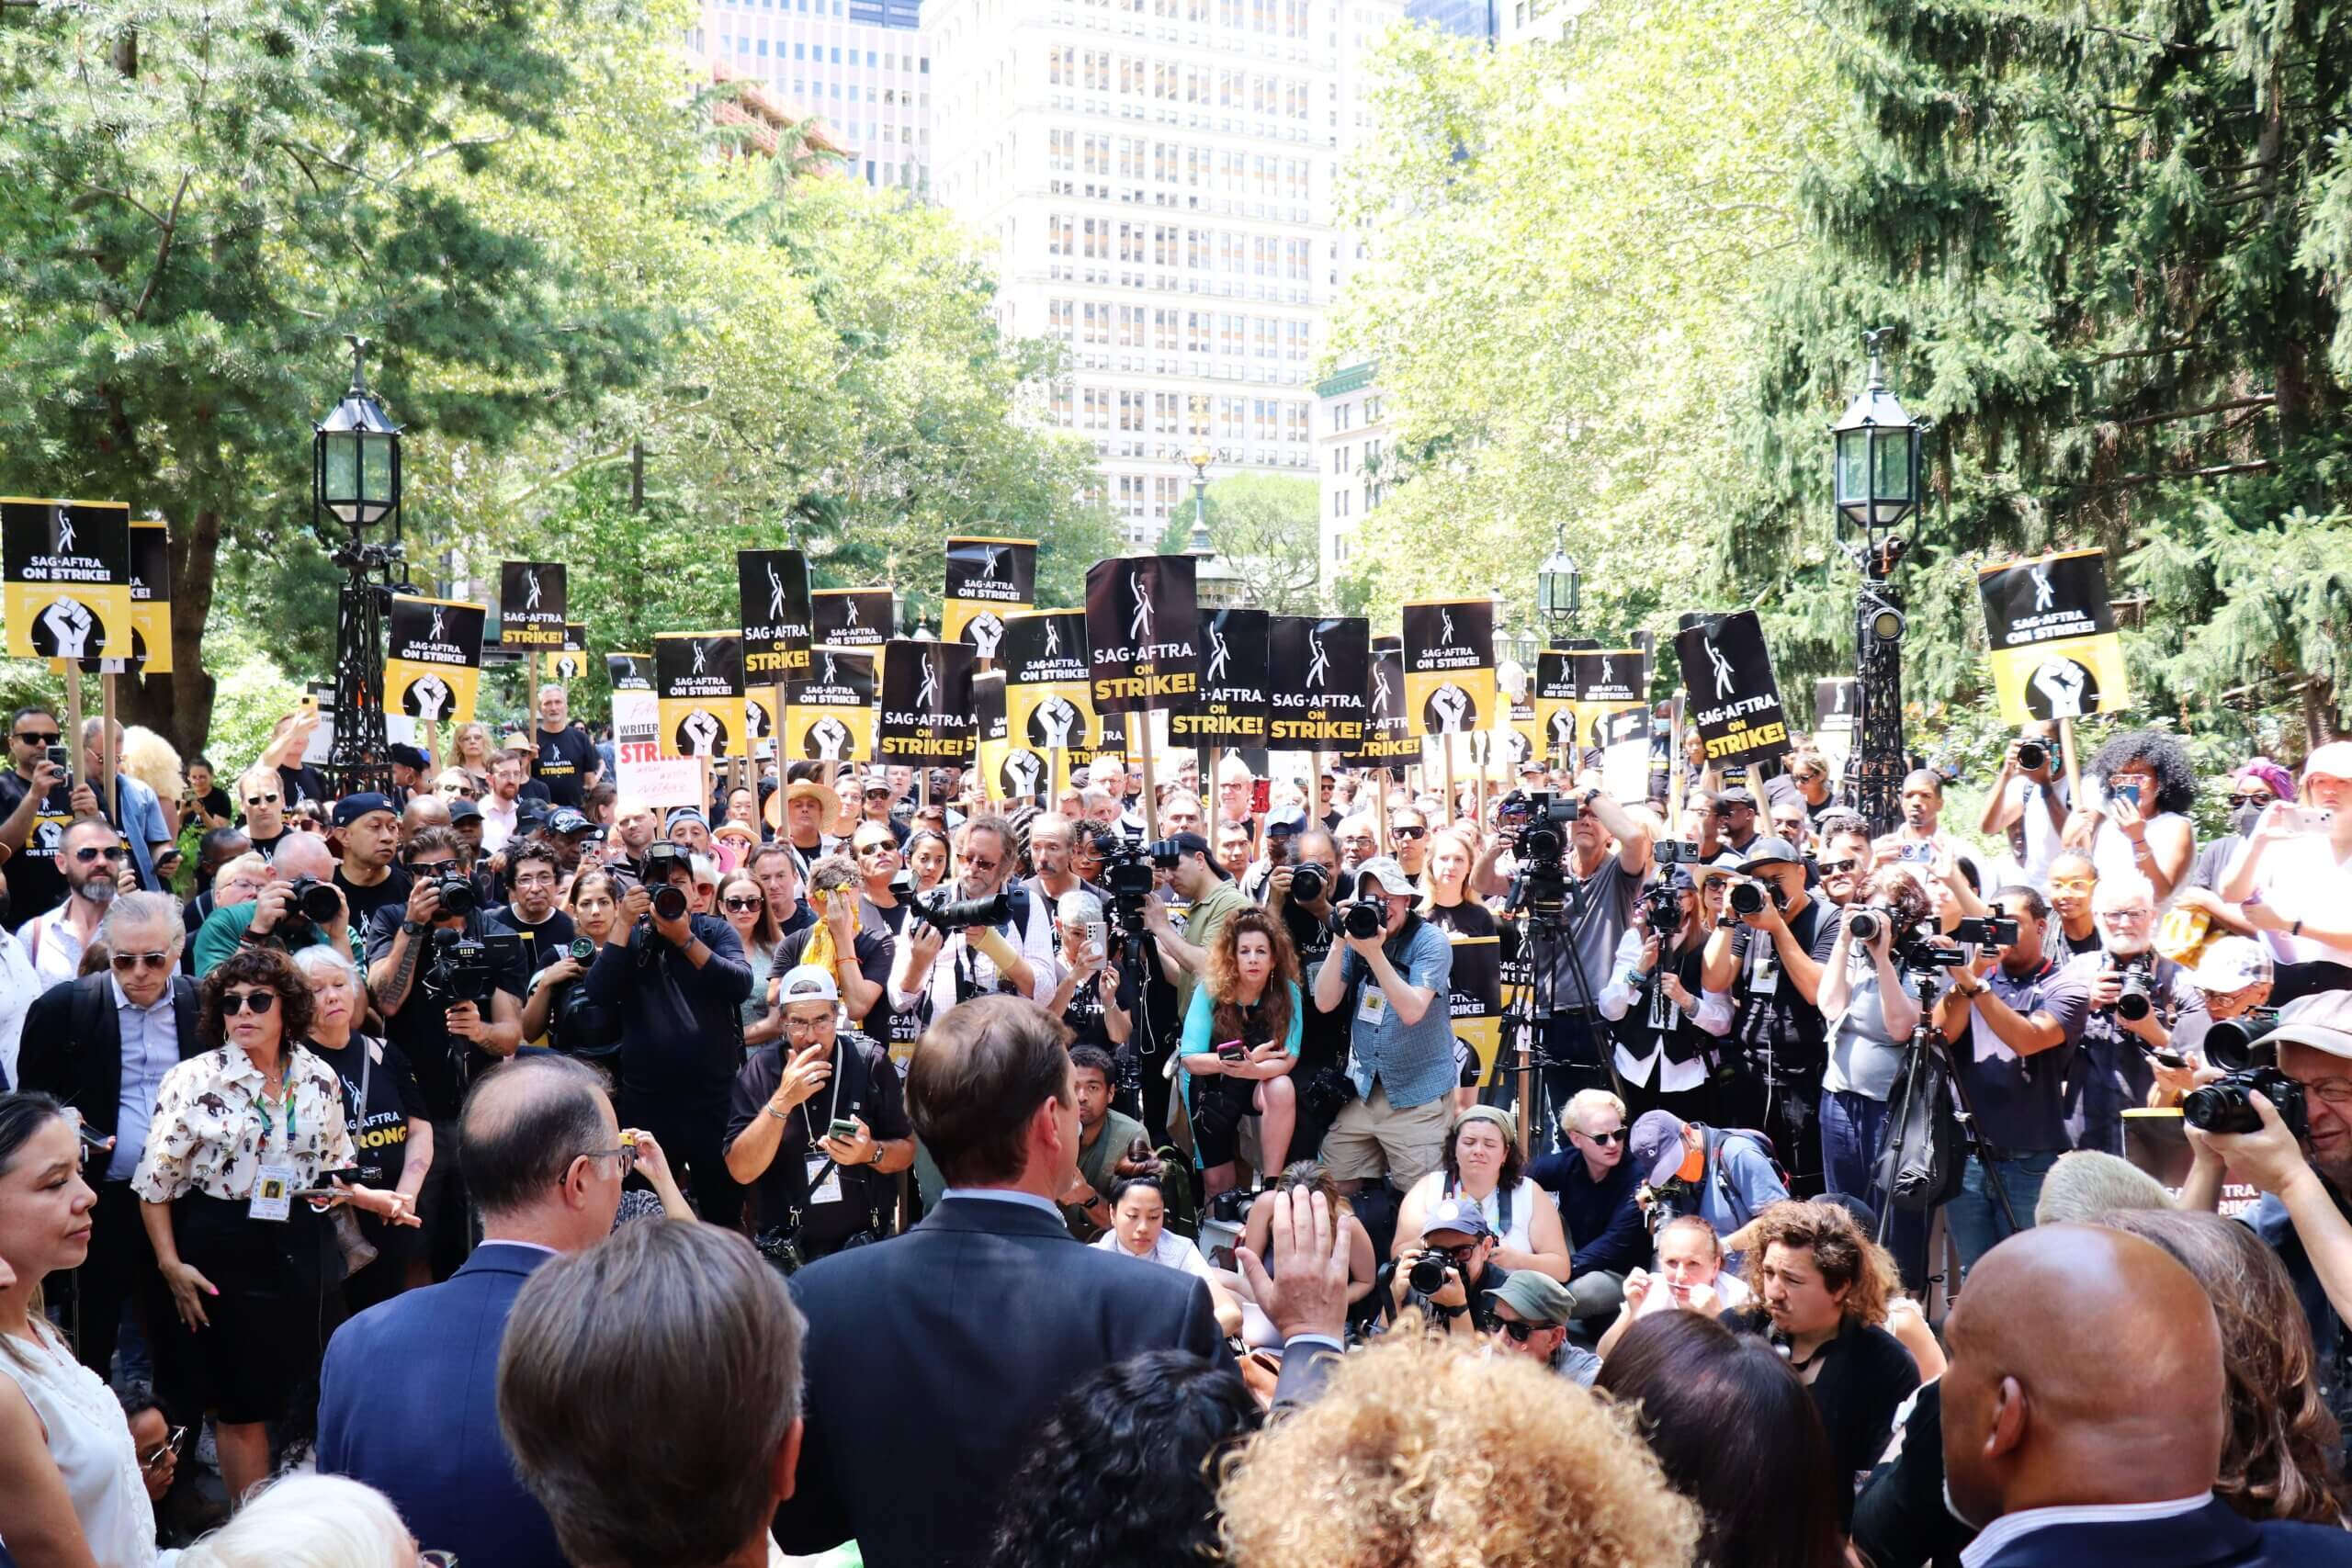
1241 1042
2148 785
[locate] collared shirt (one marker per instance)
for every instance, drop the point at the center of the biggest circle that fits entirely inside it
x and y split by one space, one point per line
2020 1101
55 947
1413 1061
1005 1195
151 1048
498 821
210 1133
2002 1532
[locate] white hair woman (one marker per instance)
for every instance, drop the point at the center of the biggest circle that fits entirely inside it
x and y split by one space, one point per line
314 1521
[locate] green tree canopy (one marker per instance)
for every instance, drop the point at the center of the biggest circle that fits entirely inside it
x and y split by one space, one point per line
1264 524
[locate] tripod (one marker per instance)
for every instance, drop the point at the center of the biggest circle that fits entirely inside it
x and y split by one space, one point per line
1924 1040
1545 930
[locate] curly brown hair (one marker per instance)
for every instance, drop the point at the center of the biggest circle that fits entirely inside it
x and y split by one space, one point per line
1844 1255
256 966
1275 1002
2278 1458
1425 1450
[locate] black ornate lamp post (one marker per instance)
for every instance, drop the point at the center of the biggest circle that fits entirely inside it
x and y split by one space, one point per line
1875 475
1559 589
355 481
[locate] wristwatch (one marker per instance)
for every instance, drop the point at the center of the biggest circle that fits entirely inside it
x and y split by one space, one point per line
410 928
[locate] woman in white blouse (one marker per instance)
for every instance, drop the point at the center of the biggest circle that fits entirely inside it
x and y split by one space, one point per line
1139 1229
74 1497
240 1135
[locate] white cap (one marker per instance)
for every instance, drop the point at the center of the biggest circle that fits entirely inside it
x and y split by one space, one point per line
1386 871
808 983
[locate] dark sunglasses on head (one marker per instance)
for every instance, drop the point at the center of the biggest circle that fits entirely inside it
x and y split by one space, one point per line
129 961
52 738
259 1002
88 852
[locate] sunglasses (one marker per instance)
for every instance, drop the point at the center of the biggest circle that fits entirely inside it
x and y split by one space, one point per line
256 1002
126 962
747 904
86 853
1401 832
1522 1332
170 1446
261 800
1614 1136
52 738
1832 867
2259 797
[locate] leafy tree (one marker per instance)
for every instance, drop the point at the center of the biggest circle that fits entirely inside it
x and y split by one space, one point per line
1265 525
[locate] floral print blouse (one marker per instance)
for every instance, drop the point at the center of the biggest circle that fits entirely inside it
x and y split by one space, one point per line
206 1132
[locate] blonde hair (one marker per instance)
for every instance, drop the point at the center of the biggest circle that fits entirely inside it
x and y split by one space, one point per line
1573 1114
1424 1451
229 869
149 758
309 1521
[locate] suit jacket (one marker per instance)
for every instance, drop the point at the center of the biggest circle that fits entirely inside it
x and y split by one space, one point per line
2212 1536
932 1358
73 1046
408 1403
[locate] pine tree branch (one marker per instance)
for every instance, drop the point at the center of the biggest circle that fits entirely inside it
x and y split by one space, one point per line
2258 466
2178 414
2143 353
164 252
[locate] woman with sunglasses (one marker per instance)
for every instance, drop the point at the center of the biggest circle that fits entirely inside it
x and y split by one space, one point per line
240 1135
74 1496
743 904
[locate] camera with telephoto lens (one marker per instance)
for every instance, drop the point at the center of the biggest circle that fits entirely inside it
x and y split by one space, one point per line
2137 999
580 950
945 913
1425 1273
2033 756
2234 1044
1661 910
1361 918
1674 852
2224 1107
456 892
1865 924
317 900
1748 898
1308 882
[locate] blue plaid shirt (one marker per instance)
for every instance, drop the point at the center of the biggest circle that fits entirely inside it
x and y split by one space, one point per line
1414 1061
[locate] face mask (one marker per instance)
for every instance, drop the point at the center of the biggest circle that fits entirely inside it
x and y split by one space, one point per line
2245 819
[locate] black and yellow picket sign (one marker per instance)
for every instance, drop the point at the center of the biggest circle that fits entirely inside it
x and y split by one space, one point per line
432 662
927 709
1143 632
772 589
629 671
1009 773
67 569
1448 665
533 599
1559 728
1389 739
1233 707
851 617
570 662
1474 995
1318 681
150 596
2055 651
1733 697
988 580
1048 710
698 679
1608 682
830 714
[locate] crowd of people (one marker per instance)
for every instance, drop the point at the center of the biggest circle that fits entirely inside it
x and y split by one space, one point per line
1531 1176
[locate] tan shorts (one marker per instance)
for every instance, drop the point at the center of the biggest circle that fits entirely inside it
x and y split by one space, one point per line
1372 1138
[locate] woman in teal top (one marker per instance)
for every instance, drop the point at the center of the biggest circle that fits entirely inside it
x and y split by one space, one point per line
1241 1042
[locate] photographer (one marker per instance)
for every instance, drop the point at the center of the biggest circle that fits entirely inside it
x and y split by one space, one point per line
2292 883
299 906
1452 1275
815 1126
2134 993
553 1011
1211 899
2302 1162
837 943
1847 859
445 1035
1769 960
933 969
679 981
1871 1015
2012 1020
1662 1020
2030 793
1392 979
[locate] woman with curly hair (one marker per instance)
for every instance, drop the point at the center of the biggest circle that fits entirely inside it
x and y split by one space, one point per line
1428 1449
2146 786
1822 1288
1123 1474
1737 1436
237 1132
2279 1458
1242 1038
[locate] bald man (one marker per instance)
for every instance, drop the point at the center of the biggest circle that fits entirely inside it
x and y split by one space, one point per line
422 811
274 913
2083 1414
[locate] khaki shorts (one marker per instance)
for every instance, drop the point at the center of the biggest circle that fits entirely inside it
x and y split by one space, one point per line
1372 1138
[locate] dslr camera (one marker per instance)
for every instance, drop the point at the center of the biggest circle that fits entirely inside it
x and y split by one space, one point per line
1425 1273
316 901
670 900
2137 999
1661 910
1361 918
1308 882
946 914
1748 898
2224 1107
2234 1044
2033 756
457 893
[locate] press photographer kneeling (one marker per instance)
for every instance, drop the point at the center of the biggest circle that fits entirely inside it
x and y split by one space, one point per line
816 1128
1450 1276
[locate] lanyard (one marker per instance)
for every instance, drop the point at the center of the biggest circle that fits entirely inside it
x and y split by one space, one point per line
268 1125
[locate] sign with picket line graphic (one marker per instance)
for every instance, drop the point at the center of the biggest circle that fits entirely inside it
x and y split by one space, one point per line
1450 665
67 567
831 715
698 678
433 658
2055 651
988 579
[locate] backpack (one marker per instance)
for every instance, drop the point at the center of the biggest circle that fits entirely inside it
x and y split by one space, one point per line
1921 1167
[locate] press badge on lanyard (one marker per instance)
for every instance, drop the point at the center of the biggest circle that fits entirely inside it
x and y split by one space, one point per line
829 1190
273 1197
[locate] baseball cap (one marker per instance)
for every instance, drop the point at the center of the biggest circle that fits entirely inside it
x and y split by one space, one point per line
1461 1214
1655 1147
566 822
407 756
2334 760
1286 821
1383 871
2230 964
808 983
1192 844
684 814
1737 794
1770 852
463 811
352 808
2322 1022
1537 1298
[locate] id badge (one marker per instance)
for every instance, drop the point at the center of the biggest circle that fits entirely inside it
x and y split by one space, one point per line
1764 968
1372 1006
829 1190
273 1196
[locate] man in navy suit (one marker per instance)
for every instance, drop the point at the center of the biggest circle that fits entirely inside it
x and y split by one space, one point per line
2083 1411
932 1358
408 1399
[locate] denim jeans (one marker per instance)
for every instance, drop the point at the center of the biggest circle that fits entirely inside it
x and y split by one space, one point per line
1975 1218
1853 1126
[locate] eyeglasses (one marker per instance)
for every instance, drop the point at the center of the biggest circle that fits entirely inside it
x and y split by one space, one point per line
1402 832
976 862
86 853
163 1451
2142 913
2336 1091
52 738
1521 1332
2254 798
2073 883
257 1003
807 1025
745 904
436 1558
261 800
1457 1255
627 1153
129 961
1614 1134
862 851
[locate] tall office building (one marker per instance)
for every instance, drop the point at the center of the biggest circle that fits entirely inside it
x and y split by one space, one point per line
1471 18
856 65
1157 176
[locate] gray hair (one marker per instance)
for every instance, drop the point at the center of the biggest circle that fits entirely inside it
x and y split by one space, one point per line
309 1521
2088 1185
320 958
138 909
645 1388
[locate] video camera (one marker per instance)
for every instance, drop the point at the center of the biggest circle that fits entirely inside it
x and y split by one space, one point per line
466 968
1127 877
1541 819
1661 910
